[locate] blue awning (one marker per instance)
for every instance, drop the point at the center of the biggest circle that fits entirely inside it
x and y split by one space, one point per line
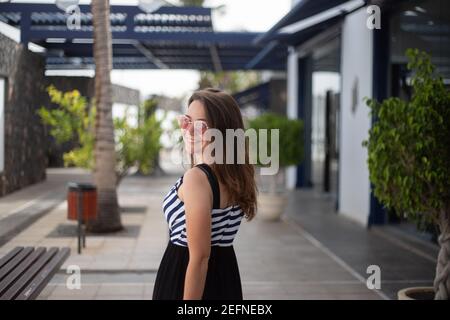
303 9
257 96
169 38
308 18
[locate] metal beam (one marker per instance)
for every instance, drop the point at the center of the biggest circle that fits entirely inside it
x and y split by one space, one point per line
25 23
322 38
52 8
190 43
342 9
262 54
149 55
85 48
215 58
201 38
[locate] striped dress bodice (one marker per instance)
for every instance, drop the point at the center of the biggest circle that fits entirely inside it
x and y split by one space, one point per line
224 224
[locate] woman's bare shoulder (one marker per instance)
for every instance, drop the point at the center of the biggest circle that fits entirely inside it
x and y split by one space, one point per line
194 180
194 175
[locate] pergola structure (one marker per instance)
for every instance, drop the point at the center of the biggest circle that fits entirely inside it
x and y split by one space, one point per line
169 38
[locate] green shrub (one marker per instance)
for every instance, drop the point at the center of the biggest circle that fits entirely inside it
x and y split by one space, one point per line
409 157
291 136
73 120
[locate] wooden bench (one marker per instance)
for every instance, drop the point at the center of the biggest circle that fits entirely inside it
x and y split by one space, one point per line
25 271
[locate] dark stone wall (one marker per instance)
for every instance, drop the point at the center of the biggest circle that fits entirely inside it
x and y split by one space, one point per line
25 142
29 148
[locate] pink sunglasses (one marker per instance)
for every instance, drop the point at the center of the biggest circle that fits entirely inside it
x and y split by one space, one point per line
184 122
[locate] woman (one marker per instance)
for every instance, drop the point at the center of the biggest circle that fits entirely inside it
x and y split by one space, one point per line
205 207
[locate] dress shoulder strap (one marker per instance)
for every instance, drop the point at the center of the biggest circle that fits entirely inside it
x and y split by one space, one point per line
213 182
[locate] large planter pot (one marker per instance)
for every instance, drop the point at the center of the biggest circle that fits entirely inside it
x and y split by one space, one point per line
416 293
271 206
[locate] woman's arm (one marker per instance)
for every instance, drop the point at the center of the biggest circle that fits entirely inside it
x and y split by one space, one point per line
197 197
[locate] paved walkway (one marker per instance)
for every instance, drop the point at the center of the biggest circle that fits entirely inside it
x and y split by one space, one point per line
404 259
21 208
277 260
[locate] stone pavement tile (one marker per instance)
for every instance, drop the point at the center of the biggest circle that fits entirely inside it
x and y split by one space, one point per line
308 291
83 261
15 219
35 235
46 292
109 264
149 261
398 258
121 297
22 243
331 289
120 289
267 296
65 298
28 237
133 218
115 256
276 261
357 296
86 292
58 242
118 244
255 288
151 246
150 250
148 289
92 243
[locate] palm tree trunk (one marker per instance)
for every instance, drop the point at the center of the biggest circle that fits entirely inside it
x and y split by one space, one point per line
442 279
108 215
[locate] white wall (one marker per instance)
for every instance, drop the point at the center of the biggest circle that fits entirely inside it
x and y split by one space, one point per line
292 106
2 124
356 63
120 110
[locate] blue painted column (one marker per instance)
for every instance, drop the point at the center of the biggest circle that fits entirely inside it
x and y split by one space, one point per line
304 113
25 26
381 80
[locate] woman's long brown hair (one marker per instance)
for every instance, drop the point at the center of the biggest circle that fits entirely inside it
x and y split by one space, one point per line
222 112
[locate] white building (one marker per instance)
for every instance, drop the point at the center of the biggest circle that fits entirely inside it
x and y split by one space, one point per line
363 44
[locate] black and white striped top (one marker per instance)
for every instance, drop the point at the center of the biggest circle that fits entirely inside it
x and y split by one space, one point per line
225 221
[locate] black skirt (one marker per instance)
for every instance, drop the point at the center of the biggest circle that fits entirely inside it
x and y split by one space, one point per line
223 281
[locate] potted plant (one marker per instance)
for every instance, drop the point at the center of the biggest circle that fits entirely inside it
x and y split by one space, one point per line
272 197
409 160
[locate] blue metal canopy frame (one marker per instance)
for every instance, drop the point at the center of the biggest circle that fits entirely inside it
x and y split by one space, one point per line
169 38
303 10
258 96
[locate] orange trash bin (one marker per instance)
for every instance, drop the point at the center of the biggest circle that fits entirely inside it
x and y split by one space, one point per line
89 201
